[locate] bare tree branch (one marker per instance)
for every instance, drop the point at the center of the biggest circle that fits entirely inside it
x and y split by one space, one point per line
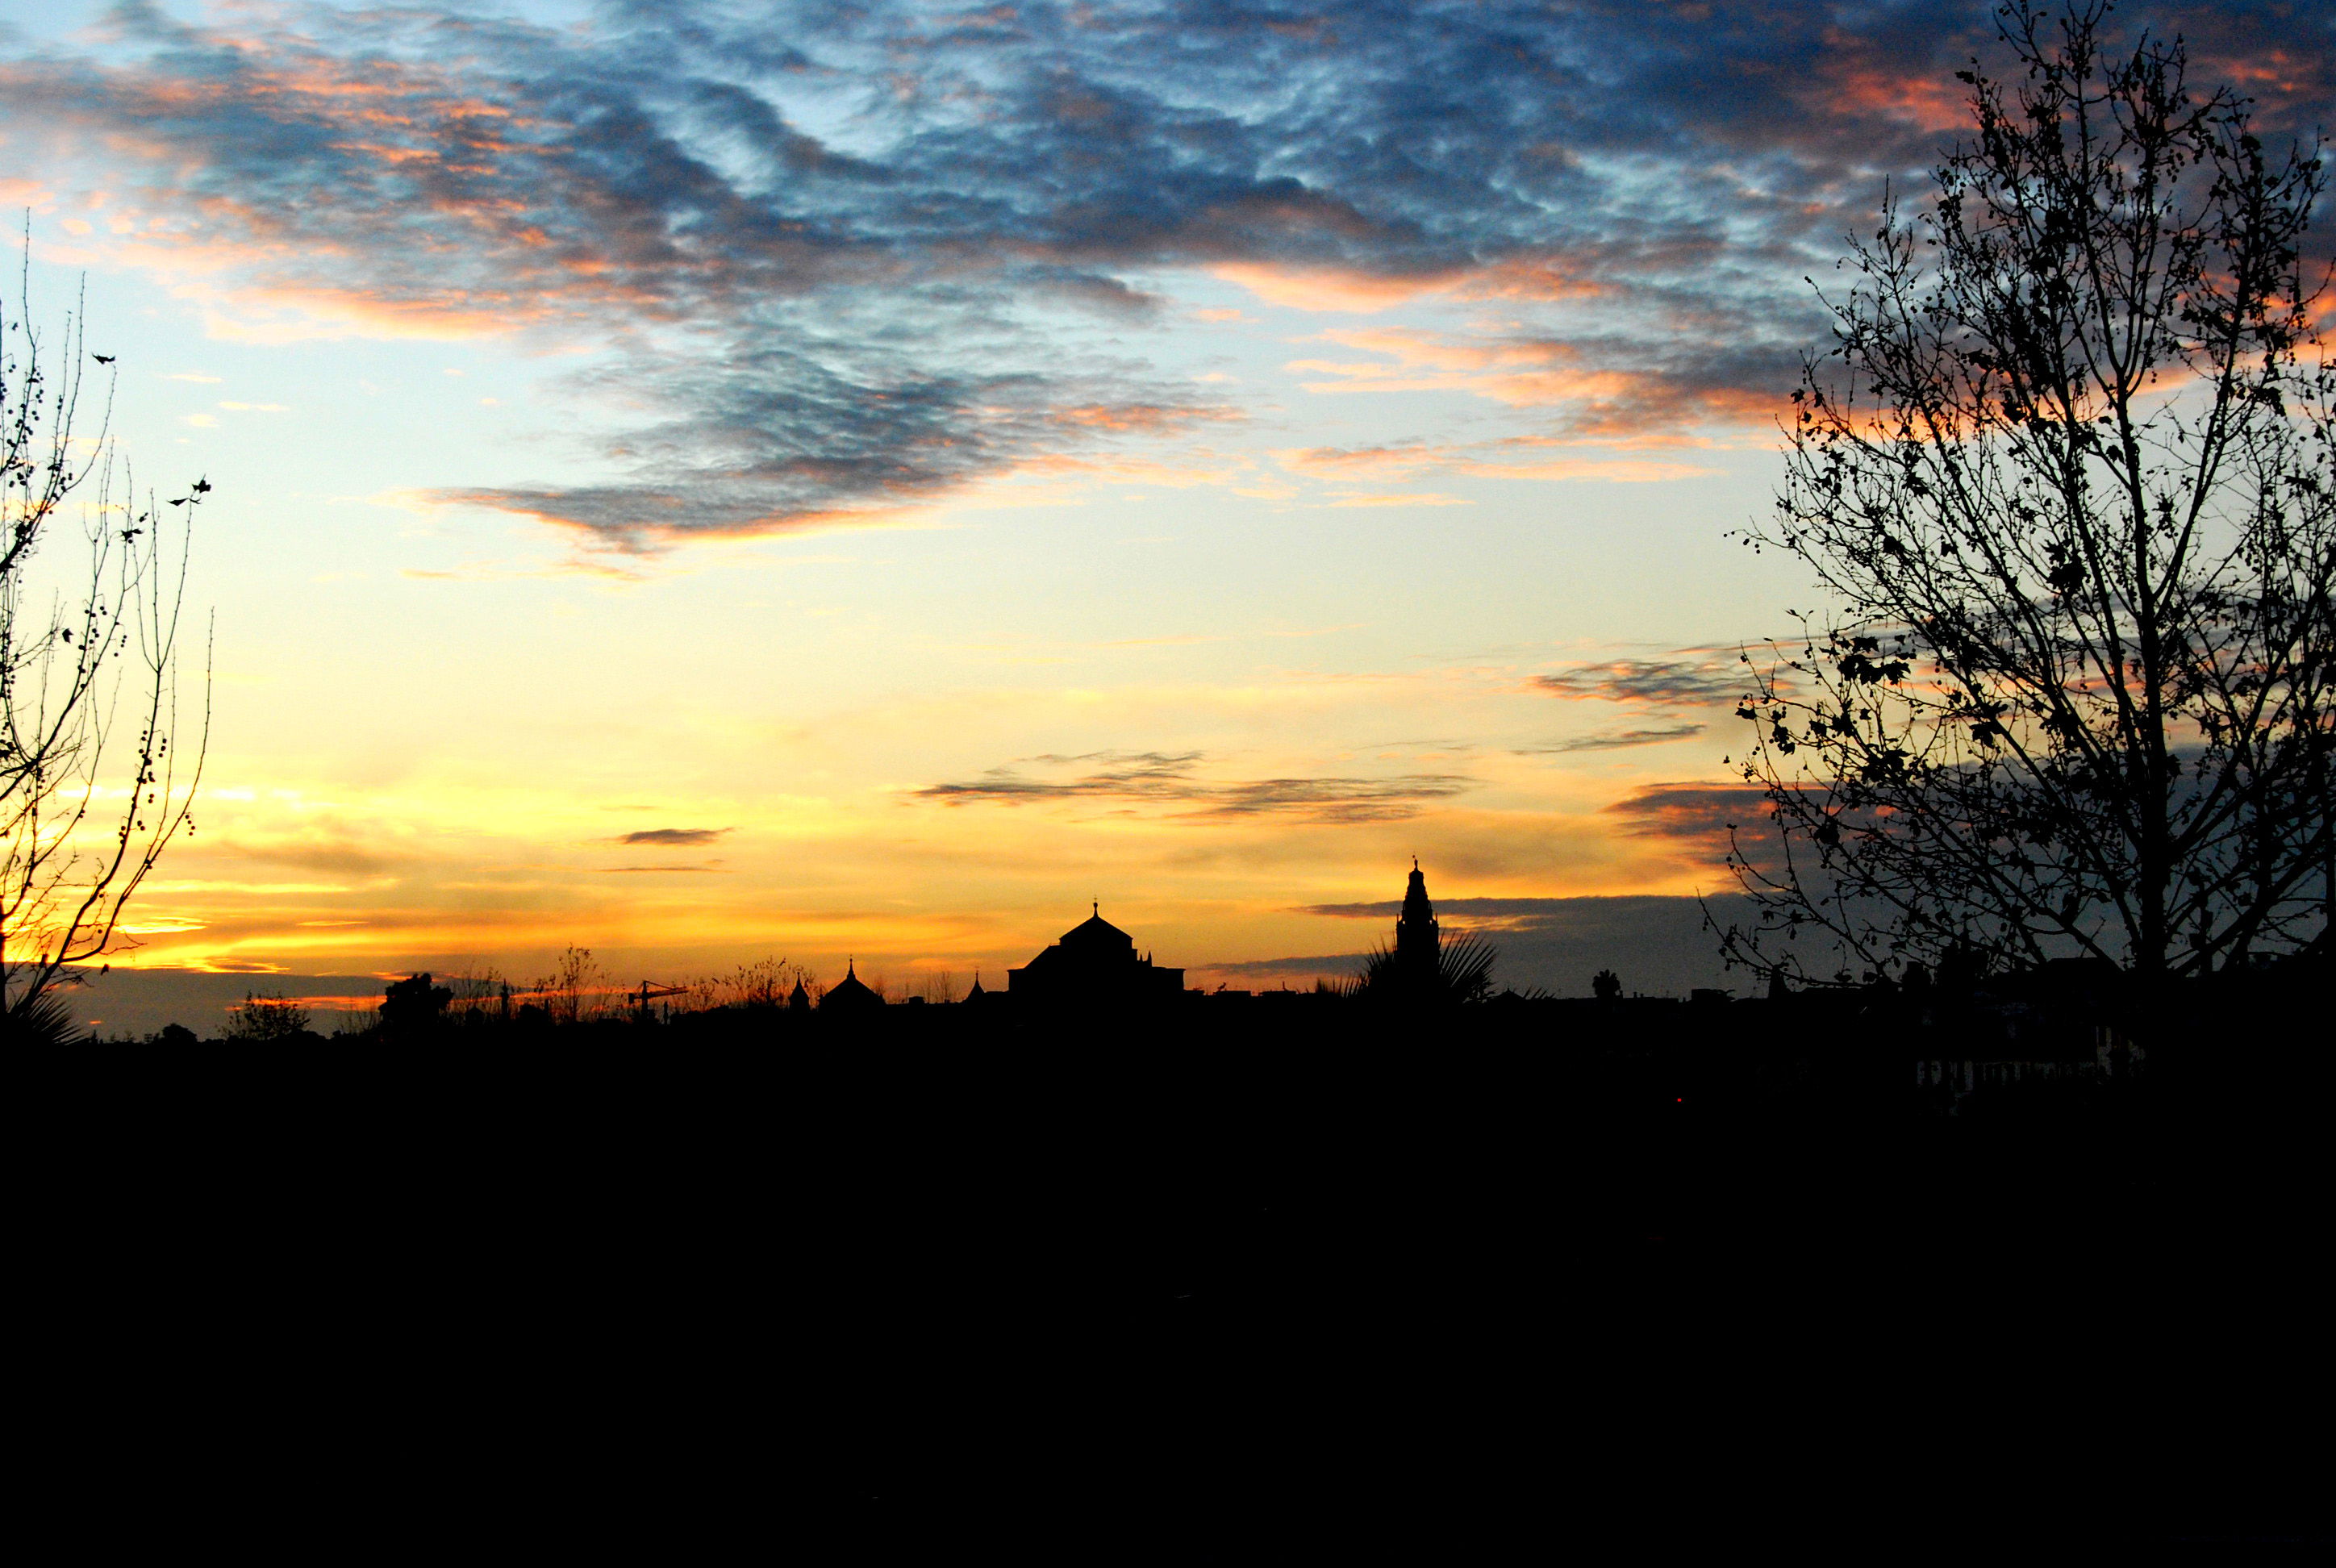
2066 479
93 787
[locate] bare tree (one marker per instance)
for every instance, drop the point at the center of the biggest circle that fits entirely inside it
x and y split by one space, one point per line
765 983
2066 478
577 989
94 782
478 994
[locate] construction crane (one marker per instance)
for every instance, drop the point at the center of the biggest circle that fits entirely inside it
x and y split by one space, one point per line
649 990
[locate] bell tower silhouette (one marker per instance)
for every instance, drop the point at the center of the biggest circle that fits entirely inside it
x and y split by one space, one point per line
1418 940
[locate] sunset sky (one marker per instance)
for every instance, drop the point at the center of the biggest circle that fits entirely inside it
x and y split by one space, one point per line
704 481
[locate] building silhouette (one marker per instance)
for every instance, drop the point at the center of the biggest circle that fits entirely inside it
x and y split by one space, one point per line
1095 964
1411 971
1421 969
1419 939
849 994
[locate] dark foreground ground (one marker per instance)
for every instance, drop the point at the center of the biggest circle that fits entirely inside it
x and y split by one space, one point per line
1480 1291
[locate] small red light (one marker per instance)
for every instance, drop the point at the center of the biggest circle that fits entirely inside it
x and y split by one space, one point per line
1677 1100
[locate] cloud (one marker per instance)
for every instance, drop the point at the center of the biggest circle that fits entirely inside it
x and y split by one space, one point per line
1323 288
764 438
337 855
1340 800
1733 369
1169 778
1325 965
1613 740
675 838
160 925
1154 775
137 1002
1397 464
1428 497
828 264
1658 945
1388 909
1659 682
1699 813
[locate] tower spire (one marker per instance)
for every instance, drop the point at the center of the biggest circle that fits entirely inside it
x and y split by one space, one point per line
1418 941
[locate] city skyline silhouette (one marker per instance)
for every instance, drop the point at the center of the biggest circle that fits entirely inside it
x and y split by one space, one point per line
1686 655
1209 535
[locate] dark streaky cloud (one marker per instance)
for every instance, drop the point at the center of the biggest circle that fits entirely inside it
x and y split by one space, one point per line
1664 682
1709 817
1485 908
1692 810
1613 741
1169 777
1658 945
675 838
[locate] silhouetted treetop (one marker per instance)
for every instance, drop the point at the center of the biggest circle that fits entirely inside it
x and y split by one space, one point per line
2066 478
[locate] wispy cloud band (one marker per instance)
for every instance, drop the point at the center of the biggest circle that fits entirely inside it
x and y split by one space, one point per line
1171 778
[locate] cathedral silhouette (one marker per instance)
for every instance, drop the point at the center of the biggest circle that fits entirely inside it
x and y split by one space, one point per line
1095 964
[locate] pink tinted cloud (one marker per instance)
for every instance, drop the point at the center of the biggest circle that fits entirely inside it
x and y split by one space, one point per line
1350 290
1399 464
453 214
1601 399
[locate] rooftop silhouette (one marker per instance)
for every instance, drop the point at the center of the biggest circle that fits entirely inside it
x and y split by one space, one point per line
849 994
1095 964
